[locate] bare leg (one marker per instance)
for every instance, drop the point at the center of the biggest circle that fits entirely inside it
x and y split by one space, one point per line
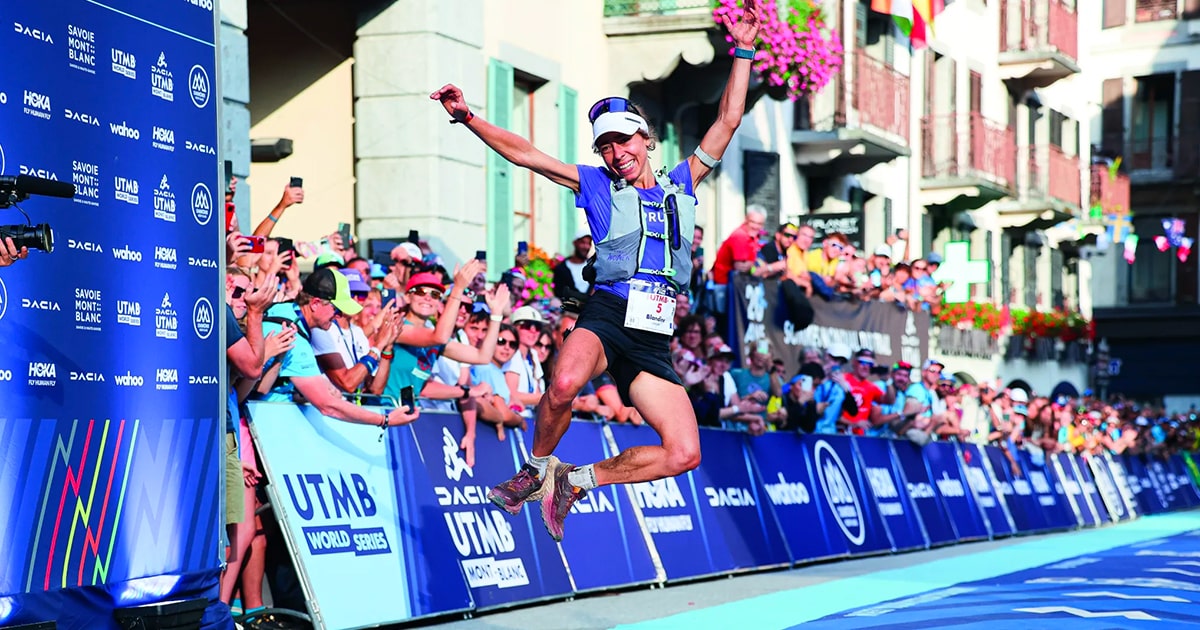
665 407
240 541
581 359
255 569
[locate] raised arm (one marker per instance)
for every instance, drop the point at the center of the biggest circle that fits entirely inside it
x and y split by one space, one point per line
509 145
733 99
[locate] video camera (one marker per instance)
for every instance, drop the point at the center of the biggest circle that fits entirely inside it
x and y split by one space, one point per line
15 188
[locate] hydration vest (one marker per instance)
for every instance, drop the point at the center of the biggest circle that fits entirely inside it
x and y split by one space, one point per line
619 256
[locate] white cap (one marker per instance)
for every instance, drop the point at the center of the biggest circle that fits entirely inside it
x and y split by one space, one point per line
1018 395
624 123
839 350
527 314
580 233
412 250
883 250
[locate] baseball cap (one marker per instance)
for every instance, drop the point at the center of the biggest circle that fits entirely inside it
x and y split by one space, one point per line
839 350
934 258
724 351
865 355
412 250
425 279
328 284
328 259
1021 409
378 272
624 123
932 362
580 233
883 250
355 281
527 314
1018 395
902 365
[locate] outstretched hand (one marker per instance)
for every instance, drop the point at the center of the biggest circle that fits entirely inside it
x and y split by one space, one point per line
453 100
745 31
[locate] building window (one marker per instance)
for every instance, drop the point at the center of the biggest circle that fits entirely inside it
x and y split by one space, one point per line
1152 123
1155 10
1152 277
523 183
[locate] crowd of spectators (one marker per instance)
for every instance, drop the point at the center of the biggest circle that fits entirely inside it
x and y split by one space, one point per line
357 329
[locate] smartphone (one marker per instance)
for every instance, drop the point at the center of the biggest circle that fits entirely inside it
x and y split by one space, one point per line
287 245
522 247
297 182
388 296
407 399
480 254
257 243
699 253
344 232
806 383
229 177
230 213
414 237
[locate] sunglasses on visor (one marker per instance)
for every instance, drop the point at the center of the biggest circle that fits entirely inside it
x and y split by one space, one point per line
610 104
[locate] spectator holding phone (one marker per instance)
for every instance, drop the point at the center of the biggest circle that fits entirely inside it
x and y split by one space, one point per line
293 194
799 399
345 353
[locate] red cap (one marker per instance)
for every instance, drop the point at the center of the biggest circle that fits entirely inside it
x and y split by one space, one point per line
425 279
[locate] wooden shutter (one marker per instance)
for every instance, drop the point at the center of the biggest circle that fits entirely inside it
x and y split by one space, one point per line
568 150
1187 273
860 24
976 92
1113 118
499 171
1187 166
1114 13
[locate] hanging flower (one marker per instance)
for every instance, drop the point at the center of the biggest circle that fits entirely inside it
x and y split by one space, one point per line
797 49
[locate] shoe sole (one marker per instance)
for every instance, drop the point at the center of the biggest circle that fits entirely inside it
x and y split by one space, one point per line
547 502
537 495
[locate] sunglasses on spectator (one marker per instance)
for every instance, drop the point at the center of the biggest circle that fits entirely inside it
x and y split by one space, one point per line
359 295
410 263
867 362
238 292
838 246
919 267
331 305
426 292
542 345
610 104
511 343
528 325
790 235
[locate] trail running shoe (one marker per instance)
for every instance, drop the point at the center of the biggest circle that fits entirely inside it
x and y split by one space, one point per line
524 486
560 496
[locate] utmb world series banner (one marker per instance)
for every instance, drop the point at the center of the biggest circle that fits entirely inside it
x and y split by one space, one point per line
111 423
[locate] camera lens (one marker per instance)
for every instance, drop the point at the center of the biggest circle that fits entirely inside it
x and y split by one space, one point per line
38 236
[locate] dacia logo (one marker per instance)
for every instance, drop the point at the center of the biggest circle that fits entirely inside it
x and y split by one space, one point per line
90 377
198 86
40 305
726 497
455 465
199 147
839 493
202 380
84 246
34 33
207 263
81 117
38 172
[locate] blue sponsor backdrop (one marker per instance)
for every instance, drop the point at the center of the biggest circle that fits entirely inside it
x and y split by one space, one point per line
980 482
942 461
1048 493
1014 489
924 495
110 373
890 494
843 488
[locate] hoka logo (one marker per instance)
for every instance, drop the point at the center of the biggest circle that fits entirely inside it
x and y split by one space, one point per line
882 484
42 370
660 494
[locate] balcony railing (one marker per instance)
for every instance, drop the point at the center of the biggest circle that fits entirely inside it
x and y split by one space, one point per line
633 8
1155 10
1054 174
968 145
1151 154
1038 25
1112 193
876 95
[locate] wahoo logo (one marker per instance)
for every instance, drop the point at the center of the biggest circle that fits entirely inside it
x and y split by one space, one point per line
128 379
921 490
788 493
37 105
124 64
949 487
202 204
126 189
202 318
658 495
6 376
125 131
85 246
89 377
207 5
129 313
166 379
206 263
455 465
199 147
162 138
730 497
33 33
40 305
42 374
593 503
162 83
839 493
164 257
38 172
198 86
202 380
80 117
125 253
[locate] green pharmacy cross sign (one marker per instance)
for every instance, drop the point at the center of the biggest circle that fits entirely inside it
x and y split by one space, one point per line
961 272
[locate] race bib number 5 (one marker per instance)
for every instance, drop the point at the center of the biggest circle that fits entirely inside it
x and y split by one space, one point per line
651 308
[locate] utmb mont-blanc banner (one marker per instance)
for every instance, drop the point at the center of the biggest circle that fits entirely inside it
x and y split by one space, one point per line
111 428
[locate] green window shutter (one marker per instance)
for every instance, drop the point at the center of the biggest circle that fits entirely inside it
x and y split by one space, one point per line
860 24
499 171
568 151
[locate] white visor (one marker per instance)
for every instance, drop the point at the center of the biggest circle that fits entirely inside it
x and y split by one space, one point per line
624 123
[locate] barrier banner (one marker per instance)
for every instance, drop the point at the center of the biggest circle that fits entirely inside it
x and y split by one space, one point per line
1160 476
506 559
980 482
734 508
1117 472
1150 498
923 495
890 494
604 519
1090 490
111 470
1015 490
1106 487
756 313
1064 466
787 478
1193 470
941 459
670 512
333 490
1049 495
844 489
1179 472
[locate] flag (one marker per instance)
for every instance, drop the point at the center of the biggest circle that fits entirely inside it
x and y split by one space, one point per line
900 10
913 17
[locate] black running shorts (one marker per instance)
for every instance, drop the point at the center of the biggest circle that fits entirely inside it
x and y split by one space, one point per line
629 351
